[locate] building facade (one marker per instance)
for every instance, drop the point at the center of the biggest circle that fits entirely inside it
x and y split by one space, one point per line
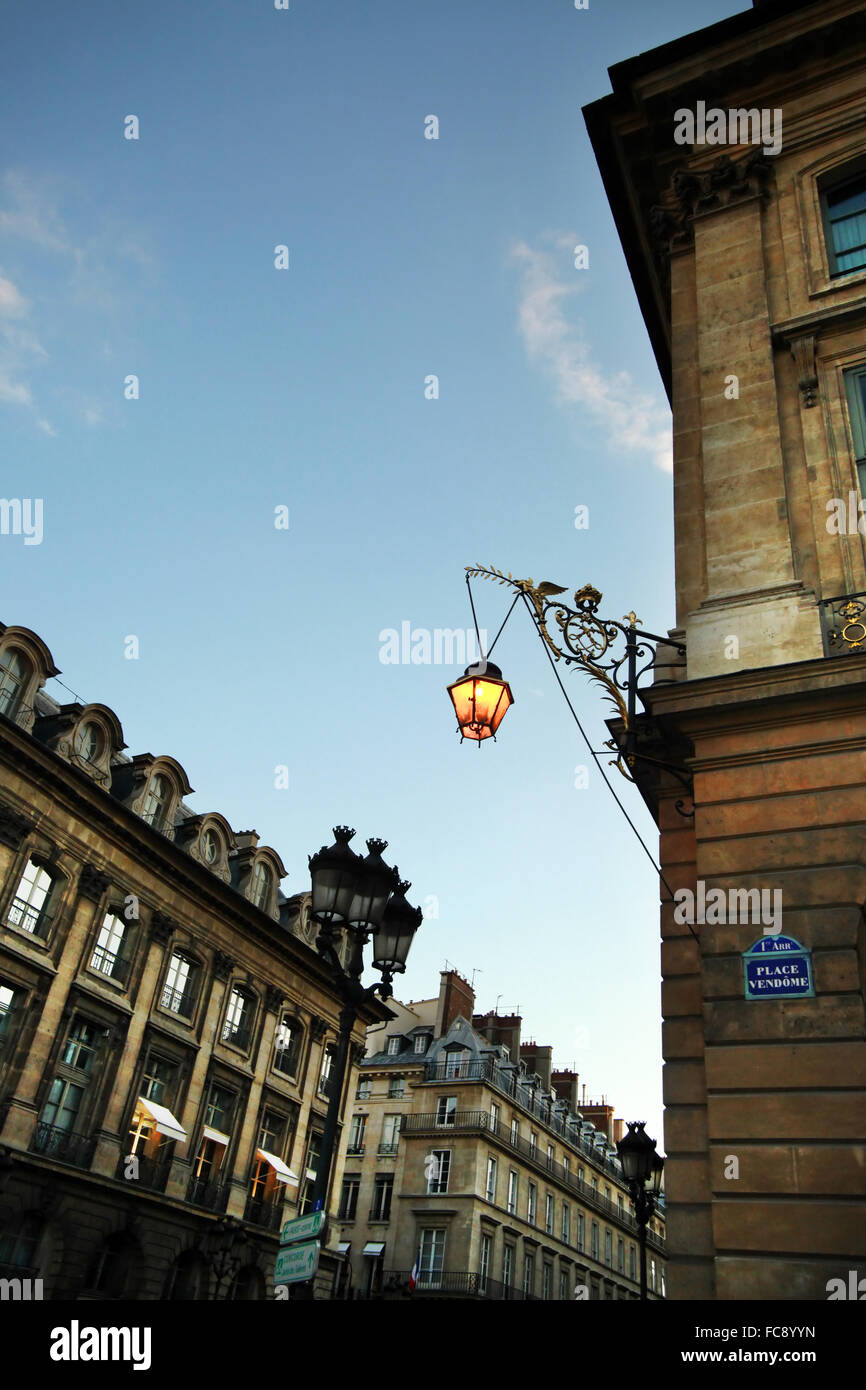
464 1164
166 1024
746 242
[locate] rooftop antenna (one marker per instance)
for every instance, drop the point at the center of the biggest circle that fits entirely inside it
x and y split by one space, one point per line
496 1005
475 972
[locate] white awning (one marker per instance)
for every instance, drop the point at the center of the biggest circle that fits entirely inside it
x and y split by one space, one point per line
216 1136
284 1174
374 1247
163 1119
344 1247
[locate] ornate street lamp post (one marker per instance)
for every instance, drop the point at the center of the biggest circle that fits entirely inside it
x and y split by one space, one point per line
579 637
365 899
641 1165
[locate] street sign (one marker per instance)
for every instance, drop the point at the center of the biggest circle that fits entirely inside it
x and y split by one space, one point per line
778 967
303 1228
296 1263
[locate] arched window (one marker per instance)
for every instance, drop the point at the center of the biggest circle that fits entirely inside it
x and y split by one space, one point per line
248 1283
180 990
187 1278
15 672
156 802
287 1045
111 1270
239 1018
30 908
260 885
20 1241
111 953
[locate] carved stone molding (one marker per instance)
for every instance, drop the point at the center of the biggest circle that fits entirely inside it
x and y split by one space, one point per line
13 826
803 353
318 1028
693 192
222 965
359 1052
92 883
162 927
273 999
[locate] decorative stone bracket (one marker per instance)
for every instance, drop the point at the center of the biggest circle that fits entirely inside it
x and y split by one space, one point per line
803 353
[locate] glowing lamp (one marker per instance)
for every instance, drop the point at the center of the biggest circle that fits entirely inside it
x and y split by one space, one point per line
481 698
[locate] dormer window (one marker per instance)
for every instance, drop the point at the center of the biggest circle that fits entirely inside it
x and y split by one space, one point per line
260 885
421 1042
15 672
156 802
89 742
210 847
394 1046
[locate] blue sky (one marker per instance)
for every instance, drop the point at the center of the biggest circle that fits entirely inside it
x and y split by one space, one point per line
305 388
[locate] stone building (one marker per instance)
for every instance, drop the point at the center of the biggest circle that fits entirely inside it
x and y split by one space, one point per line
734 161
165 1020
462 1161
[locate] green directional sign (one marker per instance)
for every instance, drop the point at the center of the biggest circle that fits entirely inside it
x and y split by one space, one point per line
296 1263
303 1228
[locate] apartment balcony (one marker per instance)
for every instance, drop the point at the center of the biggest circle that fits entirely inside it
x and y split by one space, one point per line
64 1145
457 1119
204 1193
263 1212
150 1172
384 1150
453 1283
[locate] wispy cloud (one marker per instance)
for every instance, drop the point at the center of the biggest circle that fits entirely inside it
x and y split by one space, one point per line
89 265
18 347
631 421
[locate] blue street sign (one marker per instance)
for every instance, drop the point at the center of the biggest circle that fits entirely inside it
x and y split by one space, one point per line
778 967
318 1205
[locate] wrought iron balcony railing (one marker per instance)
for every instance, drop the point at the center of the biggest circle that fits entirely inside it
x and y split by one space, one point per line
147 1172
64 1145
505 1081
177 1001
109 964
453 1283
262 1211
29 918
204 1193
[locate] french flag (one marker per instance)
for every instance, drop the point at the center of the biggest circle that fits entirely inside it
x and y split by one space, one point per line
413 1277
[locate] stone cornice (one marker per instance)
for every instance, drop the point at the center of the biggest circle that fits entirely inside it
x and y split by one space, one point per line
714 696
